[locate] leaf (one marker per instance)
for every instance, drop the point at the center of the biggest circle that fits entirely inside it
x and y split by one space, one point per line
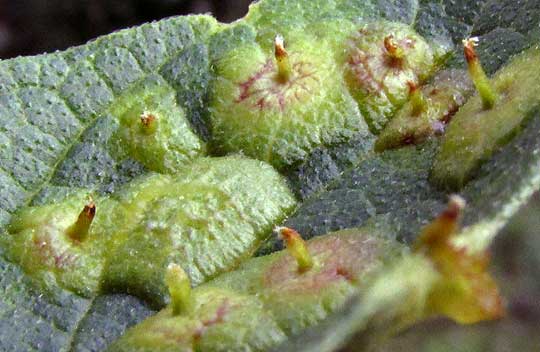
51 102
32 320
291 294
52 136
505 182
54 132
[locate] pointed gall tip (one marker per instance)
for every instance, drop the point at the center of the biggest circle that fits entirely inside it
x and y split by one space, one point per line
478 76
389 43
147 118
455 206
465 292
284 68
469 48
395 52
179 287
148 122
79 230
175 272
297 247
413 87
439 232
90 210
279 47
285 233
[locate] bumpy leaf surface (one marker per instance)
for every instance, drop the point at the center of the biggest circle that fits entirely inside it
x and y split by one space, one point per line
55 133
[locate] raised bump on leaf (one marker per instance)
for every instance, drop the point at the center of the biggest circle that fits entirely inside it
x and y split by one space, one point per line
296 247
179 289
276 105
465 292
297 300
60 245
220 320
476 133
382 58
293 300
429 110
478 76
153 128
206 219
79 230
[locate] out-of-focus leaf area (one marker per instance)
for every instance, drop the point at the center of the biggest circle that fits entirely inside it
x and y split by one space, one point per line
29 27
516 264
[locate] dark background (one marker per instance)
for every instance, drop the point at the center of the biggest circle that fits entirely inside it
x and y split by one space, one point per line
35 26
29 27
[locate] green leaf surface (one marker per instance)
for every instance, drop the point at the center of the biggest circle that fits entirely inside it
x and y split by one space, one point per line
493 197
36 321
57 112
54 135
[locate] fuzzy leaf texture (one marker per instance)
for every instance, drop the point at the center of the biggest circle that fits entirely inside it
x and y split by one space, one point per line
66 118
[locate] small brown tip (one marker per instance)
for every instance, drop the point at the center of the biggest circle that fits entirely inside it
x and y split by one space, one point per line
392 48
468 49
90 210
147 119
389 43
413 87
282 60
455 207
279 48
287 234
442 228
79 230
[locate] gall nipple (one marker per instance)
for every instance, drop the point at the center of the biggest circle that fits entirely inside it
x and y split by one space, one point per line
148 122
297 248
441 229
79 230
284 68
465 292
179 288
477 74
395 52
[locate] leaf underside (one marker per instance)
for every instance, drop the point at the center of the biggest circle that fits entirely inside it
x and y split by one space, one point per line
54 132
